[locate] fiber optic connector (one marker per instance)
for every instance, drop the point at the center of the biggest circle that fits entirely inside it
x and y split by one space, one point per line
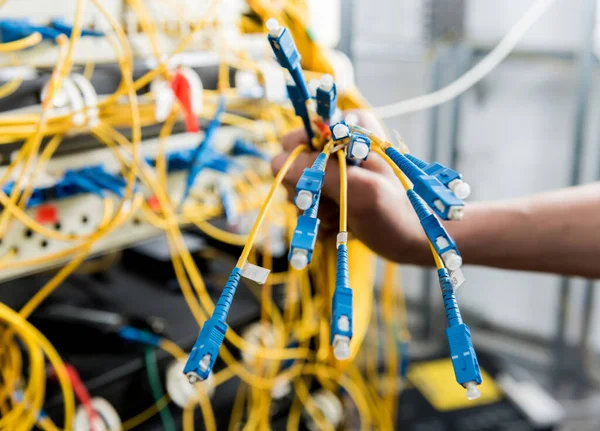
437 196
16 29
303 241
462 352
299 104
448 177
438 236
287 55
341 307
242 147
310 183
60 25
360 147
308 187
326 97
206 348
340 133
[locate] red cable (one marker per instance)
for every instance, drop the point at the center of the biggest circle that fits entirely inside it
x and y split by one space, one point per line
183 92
81 393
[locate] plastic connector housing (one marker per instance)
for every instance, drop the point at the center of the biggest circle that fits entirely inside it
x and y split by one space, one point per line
462 353
340 132
288 56
311 181
441 200
341 307
360 147
442 173
305 236
326 102
438 197
438 236
206 349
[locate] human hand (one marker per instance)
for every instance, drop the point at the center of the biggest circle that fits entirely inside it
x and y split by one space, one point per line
379 213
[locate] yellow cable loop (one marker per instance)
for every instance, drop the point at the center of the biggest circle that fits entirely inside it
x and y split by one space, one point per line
18 45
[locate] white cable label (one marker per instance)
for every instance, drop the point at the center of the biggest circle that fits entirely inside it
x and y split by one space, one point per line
255 273
457 278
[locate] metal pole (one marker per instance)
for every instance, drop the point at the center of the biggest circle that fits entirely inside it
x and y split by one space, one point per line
581 119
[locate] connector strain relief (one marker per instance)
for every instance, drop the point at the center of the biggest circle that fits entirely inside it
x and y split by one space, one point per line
405 165
320 162
451 306
418 204
342 278
420 163
224 303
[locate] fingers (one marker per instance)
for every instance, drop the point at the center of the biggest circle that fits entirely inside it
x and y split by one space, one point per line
363 182
293 139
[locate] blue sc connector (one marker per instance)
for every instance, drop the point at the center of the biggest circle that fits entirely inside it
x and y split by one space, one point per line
443 243
16 29
287 55
242 147
326 97
304 239
360 147
448 177
341 307
462 352
299 104
61 26
310 183
437 196
206 348
340 132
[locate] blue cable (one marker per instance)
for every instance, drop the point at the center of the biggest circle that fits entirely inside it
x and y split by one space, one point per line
206 348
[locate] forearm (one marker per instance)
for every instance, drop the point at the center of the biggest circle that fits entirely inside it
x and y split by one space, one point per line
555 232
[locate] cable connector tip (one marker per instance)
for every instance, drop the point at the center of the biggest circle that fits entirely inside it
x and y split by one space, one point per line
461 189
299 259
472 391
273 26
304 200
341 347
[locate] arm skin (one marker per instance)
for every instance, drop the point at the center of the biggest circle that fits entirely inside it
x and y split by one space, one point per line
557 231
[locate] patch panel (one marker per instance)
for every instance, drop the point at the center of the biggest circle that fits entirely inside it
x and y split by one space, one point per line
81 214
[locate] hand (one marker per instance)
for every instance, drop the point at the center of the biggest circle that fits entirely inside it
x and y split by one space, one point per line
379 213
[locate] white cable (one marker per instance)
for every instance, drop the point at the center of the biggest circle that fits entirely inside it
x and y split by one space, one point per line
476 74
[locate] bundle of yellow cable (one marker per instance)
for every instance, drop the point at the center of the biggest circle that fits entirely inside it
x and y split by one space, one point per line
300 353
